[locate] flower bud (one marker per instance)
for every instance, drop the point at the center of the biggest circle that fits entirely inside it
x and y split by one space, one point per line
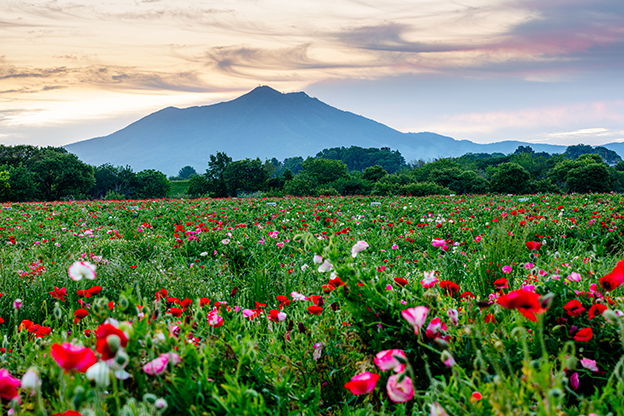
611 316
150 398
123 303
58 313
114 343
17 304
547 300
160 404
100 373
31 381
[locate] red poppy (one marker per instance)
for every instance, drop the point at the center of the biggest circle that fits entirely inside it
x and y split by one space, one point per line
574 308
95 290
68 413
450 287
83 293
584 335
25 324
527 303
72 357
162 293
79 314
203 302
614 279
317 300
186 303
402 282
101 333
315 310
40 331
467 295
597 309
177 312
533 245
501 283
490 318
336 282
59 293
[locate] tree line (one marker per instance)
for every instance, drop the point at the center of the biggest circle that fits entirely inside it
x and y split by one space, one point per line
30 173
580 169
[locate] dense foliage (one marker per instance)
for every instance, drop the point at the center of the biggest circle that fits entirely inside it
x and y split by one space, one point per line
365 305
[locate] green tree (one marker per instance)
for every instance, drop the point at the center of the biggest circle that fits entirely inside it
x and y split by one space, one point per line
245 175
120 180
324 170
510 178
214 174
62 175
374 173
152 184
186 172
198 186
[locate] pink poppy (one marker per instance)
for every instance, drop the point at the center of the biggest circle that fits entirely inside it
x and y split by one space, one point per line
400 392
8 385
416 317
387 360
362 383
358 247
159 365
73 357
589 364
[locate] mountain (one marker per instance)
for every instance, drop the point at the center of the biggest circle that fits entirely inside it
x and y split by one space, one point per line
263 123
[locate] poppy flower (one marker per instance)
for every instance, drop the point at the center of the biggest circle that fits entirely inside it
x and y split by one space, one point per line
94 290
81 269
25 324
400 281
159 365
416 317
276 315
490 318
79 314
215 320
358 247
501 283
527 303
40 331
73 357
467 295
8 385
574 308
59 293
450 287
614 279
102 333
336 282
584 335
533 245
203 302
315 310
400 391
386 360
362 383
177 312
597 309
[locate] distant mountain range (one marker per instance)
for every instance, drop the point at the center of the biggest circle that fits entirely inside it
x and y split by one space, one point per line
266 123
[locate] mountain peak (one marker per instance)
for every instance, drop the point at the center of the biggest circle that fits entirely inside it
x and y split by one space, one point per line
264 90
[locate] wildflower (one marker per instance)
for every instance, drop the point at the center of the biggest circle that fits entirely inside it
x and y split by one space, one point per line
81 269
107 345
31 382
416 317
215 320
596 309
17 304
79 314
453 316
450 287
315 310
435 328
589 364
400 281
325 267
8 385
476 396
100 373
430 280
276 315
437 410
575 277
59 293
506 269
584 335
73 357
574 308
614 279
400 392
501 283
387 360
527 303
438 242
358 247
574 381
533 245
159 365
362 383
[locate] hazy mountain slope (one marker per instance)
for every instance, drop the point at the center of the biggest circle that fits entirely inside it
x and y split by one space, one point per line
263 123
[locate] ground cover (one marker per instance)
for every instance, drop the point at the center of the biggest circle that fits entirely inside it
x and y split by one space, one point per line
337 306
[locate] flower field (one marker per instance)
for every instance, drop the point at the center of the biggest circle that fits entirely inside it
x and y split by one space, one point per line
503 305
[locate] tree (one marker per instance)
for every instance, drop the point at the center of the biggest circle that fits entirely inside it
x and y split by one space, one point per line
186 172
61 175
198 186
374 173
152 184
214 174
324 170
592 177
510 178
118 179
245 175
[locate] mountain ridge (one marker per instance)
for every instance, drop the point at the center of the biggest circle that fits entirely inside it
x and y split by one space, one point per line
263 123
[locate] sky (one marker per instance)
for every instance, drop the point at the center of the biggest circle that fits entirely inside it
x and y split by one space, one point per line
540 71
